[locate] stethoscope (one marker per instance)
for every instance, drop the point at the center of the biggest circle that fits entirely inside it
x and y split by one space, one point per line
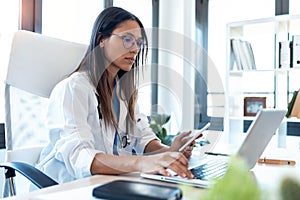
125 139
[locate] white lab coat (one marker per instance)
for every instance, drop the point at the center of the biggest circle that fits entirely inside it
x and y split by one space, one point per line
76 133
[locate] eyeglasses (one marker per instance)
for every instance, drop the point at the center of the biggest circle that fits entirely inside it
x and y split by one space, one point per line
129 40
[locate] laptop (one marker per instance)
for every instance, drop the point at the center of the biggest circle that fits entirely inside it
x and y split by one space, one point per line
257 138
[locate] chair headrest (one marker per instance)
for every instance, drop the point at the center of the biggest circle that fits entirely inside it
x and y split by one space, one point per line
38 62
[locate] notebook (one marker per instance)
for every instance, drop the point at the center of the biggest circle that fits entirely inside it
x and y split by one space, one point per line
257 138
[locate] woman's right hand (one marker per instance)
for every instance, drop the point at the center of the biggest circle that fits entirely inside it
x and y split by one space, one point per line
159 163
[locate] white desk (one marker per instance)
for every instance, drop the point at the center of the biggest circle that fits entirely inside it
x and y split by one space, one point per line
79 189
267 176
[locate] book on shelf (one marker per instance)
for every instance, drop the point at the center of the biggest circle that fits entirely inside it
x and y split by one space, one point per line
243 55
296 94
285 58
248 61
295 51
235 49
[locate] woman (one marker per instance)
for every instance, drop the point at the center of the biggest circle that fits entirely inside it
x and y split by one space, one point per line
92 116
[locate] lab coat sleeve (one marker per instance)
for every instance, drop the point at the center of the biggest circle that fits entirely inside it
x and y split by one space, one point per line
75 148
144 134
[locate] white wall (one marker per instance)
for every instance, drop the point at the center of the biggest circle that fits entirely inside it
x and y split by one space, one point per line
9 10
2 176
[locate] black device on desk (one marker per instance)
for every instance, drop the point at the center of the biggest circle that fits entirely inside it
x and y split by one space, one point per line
129 190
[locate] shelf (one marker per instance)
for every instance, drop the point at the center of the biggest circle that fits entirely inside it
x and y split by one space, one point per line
238 72
292 119
288 69
276 84
275 19
242 118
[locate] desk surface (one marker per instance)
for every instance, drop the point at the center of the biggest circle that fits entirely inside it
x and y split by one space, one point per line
268 176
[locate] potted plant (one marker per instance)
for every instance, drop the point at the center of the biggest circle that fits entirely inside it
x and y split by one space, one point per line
157 122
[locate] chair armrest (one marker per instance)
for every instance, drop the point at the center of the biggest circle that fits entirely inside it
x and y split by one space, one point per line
33 174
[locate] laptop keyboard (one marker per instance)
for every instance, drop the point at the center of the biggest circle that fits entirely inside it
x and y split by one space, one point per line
214 168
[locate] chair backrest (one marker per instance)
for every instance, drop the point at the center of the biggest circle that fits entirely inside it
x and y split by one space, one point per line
36 64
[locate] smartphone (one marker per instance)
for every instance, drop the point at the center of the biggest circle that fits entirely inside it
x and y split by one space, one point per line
195 134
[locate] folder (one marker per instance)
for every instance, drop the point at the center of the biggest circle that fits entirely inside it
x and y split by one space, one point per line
296 107
129 190
296 51
291 104
285 54
243 54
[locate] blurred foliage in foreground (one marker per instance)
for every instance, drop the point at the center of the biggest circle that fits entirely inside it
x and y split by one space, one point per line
236 184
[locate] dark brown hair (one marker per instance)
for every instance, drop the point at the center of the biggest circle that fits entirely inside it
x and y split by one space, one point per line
93 63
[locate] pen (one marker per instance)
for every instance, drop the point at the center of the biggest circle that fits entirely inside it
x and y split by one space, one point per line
276 161
216 154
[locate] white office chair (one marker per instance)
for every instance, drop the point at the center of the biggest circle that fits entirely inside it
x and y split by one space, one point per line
36 64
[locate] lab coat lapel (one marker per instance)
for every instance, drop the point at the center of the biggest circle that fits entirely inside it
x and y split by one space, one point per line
108 137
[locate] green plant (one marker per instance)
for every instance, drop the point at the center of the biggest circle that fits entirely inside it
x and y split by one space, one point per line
289 188
157 124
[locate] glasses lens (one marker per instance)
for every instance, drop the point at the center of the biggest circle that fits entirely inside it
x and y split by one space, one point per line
140 43
128 41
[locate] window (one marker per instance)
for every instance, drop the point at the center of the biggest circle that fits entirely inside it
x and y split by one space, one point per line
143 10
9 16
70 20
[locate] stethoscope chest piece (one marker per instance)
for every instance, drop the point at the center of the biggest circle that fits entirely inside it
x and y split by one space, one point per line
125 141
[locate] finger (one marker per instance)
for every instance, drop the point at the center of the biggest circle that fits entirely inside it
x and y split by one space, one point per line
184 134
183 161
180 158
181 170
187 153
180 165
170 157
187 138
188 150
194 141
192 144
164 172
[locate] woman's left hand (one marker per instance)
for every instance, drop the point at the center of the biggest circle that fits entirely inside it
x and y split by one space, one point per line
187 151
180 140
